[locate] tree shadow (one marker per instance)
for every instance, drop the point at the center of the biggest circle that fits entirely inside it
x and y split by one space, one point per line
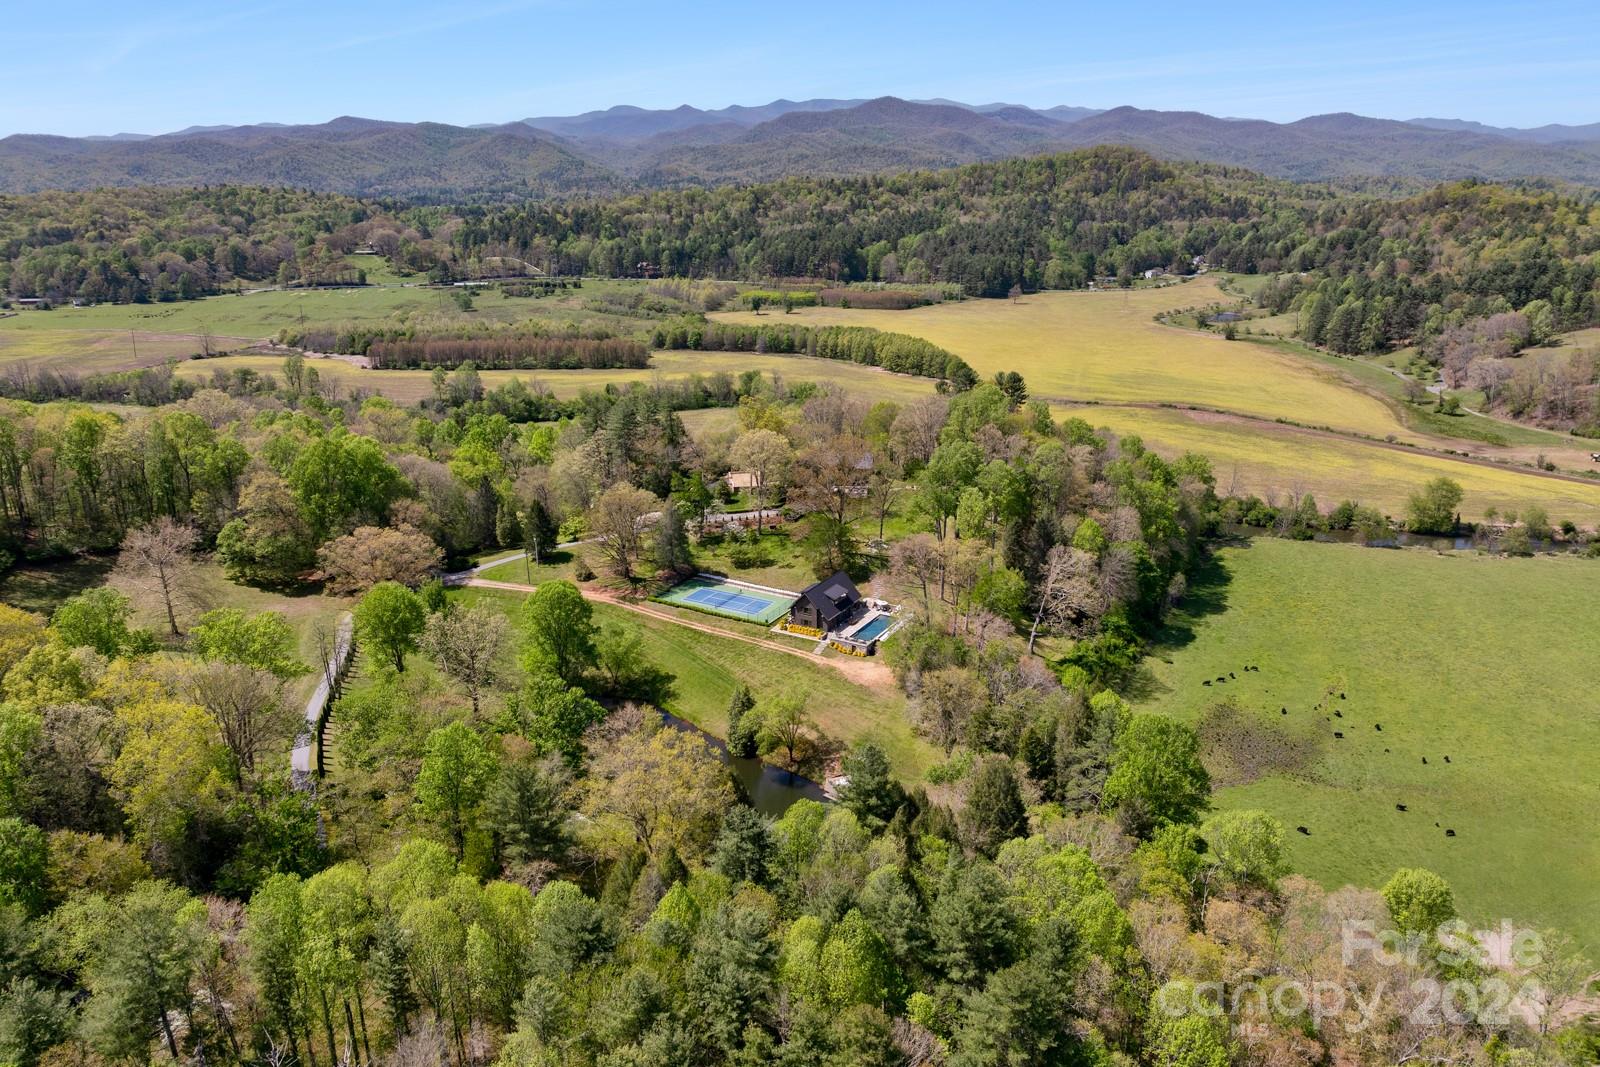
42 587
1207 595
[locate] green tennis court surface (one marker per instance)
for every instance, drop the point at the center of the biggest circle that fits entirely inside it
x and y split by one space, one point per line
733 601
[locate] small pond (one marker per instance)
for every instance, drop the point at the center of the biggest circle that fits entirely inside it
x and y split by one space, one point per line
771 789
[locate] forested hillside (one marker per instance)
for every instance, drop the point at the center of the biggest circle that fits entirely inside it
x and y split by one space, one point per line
136 245
1369 272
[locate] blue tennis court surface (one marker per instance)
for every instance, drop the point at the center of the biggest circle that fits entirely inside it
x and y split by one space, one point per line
739 603
733 601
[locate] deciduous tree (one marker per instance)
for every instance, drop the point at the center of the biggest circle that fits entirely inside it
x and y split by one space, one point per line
368 555
1432 509
558 632
99 620
467 644
390 618
785 725
1156 774
456 774
1418 900
619 520
662 789
262 640
768 456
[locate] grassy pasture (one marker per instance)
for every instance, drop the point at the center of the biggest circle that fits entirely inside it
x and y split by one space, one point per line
97 351
1107 346
259 315
253 315
1476 658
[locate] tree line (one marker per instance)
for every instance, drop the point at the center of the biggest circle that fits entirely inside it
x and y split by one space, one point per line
1396 267
897 352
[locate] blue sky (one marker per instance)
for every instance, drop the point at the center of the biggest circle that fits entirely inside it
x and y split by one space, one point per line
102 67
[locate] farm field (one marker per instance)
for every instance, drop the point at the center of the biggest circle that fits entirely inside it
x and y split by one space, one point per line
409 386
260 314
252 314
237 320
707 668
97 351
1477 659
1271 461
1107 347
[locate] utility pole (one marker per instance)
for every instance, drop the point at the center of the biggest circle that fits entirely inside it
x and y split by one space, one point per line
134 337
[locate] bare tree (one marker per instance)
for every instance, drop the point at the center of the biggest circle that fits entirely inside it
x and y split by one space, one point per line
914 434
918 559
880 498
1069 593
831 475
946 702
159 559
467 644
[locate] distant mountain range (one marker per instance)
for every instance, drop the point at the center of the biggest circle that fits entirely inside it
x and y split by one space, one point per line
629 147
424 160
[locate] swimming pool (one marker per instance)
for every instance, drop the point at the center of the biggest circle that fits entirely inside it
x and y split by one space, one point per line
873 629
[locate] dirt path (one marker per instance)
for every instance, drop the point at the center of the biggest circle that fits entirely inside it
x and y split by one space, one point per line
865 672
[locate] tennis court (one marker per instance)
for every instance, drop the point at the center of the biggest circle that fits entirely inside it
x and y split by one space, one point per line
729 600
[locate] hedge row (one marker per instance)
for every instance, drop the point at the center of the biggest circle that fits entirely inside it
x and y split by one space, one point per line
896 352
511 353
876 299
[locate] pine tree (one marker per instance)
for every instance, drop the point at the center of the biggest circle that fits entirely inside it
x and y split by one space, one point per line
672 541
743 727
994 812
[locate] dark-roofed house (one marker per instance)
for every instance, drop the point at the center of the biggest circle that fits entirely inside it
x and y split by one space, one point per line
826 605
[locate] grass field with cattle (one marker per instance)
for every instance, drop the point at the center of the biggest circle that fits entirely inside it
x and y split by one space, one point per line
1470 662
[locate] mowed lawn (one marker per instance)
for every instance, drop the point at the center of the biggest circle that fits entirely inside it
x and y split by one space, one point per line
1108 346
706 669
1272 461
1487 663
